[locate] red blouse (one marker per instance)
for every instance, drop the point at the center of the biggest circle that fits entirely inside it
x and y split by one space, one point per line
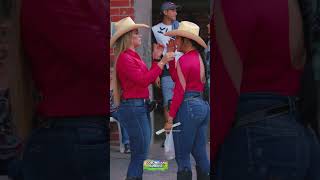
186 77
134 75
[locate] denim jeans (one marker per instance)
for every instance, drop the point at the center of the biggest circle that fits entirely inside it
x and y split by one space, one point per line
167 86
268 146
125 136
135 118
191 136
68 148
124 133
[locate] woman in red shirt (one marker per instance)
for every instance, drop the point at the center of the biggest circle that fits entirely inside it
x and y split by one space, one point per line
257 124
188 106
133 78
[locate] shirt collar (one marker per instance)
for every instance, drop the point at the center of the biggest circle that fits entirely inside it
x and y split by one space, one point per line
192 51
132 53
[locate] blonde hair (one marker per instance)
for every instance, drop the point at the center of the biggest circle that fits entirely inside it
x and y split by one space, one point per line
121 45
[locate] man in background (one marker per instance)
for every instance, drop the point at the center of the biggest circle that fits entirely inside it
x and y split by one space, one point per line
168 13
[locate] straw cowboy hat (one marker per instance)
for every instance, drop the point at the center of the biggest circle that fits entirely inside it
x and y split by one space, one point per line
123 26
189 30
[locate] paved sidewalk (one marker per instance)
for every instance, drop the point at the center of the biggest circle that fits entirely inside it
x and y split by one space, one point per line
119 163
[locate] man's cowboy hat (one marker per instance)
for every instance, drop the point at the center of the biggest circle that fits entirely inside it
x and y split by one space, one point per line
189 30
123 26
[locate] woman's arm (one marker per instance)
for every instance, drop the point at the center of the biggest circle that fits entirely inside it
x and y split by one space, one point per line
126 64
173 70
178 92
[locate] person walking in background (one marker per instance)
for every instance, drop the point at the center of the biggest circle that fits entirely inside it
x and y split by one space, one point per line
132 77
188 106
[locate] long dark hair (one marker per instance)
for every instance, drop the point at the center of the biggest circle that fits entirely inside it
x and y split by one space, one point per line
308 92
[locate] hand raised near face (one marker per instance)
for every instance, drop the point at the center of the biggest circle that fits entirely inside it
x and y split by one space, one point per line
171 46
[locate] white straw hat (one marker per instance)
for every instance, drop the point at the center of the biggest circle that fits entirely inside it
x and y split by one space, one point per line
189 30
123 26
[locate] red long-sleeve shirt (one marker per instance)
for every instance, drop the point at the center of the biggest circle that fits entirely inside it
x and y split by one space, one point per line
187 77
134 75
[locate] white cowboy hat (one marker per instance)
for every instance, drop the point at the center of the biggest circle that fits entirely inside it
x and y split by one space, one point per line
123 26
189 30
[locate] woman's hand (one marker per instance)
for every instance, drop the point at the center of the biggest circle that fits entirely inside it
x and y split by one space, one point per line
168 127
157 82
157 51
169 56
165 59
168 124
171 46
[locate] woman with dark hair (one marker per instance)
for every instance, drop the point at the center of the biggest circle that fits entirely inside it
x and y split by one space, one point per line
259 131
188 106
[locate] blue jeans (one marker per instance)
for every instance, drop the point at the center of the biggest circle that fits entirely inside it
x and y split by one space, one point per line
68 148
135 117
124 133
125 136
268 146
191 136
167 86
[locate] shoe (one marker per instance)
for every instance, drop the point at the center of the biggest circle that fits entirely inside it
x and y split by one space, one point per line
162 145
201 175
184 175
127 148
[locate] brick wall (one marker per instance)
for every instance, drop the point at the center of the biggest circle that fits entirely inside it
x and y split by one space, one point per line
118 10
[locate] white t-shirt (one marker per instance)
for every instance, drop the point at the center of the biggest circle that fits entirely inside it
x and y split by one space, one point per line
158 32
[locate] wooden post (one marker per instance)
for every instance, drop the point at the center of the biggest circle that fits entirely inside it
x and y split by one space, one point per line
143 14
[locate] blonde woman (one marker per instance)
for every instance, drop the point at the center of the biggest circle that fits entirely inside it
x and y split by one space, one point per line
133 78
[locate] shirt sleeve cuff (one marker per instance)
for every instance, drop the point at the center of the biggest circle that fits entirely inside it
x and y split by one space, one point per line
158 69
172 64
172 114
